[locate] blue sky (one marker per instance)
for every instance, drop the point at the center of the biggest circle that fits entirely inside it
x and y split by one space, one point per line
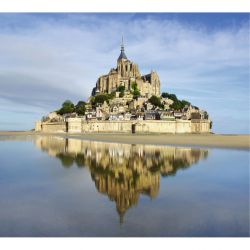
47 58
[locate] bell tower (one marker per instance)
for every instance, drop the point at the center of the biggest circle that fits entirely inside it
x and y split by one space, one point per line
122 54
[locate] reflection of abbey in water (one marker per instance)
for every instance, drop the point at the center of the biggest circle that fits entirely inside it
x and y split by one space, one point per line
122 171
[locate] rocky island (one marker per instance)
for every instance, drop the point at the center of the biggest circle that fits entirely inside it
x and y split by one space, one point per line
124 101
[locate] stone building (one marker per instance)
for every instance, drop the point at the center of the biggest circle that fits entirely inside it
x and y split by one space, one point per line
127 74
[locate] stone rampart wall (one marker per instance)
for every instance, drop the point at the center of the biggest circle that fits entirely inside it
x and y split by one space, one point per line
53 127
77 125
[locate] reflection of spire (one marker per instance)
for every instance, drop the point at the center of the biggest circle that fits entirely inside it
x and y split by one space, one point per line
121 214
66 144
122 55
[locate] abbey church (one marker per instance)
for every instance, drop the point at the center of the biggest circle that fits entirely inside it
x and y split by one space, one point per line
126 74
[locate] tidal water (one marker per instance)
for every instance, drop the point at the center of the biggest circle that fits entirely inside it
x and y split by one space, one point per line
54 186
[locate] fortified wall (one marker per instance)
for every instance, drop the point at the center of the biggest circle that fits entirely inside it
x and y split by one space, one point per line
78 125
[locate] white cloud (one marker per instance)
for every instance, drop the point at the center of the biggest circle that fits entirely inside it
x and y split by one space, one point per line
50 60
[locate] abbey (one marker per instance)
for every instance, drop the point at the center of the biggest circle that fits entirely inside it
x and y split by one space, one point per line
127 74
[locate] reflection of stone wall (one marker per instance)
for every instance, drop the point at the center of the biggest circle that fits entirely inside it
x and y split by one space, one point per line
51 145
122 171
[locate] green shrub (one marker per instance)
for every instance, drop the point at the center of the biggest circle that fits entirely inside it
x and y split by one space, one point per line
80 108
102 98
67 107
156 101
177 104
121 89
134 90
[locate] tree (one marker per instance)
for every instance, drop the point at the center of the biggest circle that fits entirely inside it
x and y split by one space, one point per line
184 103
80 108
164 94
156 101
134 90
206 116
177 104
102 98
111 95
169 96
121 89
67 107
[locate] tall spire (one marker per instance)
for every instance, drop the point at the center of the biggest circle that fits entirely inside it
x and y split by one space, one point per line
122 45
122 55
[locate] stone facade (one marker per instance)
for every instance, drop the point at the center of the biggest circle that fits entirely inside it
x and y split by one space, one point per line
51 127
38 126
126 74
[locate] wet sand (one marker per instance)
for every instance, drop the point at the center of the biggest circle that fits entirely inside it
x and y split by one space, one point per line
207 140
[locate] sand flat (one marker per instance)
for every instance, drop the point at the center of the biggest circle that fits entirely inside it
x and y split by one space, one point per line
222 141
210 140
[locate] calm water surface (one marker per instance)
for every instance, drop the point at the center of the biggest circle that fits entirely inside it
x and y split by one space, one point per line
52 186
